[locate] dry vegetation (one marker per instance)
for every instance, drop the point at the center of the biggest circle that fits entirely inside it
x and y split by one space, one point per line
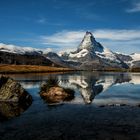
134 70
4 68
115 69
30 69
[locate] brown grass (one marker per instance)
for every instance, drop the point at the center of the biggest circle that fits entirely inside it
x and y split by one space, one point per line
30 69
5 69
134 70
115 70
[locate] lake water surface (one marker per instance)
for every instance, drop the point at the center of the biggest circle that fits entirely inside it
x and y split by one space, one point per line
105 106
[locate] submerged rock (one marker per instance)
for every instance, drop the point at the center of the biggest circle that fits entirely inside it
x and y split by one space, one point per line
12 109
54 93
12 91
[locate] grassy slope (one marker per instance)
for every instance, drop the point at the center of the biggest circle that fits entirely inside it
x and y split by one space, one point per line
29 68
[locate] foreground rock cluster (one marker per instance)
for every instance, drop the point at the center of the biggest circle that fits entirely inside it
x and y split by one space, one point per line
12 91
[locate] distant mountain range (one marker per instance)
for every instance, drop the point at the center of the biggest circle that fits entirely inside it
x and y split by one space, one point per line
89 55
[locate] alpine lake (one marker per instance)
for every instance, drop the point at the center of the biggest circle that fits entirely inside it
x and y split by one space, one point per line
105 106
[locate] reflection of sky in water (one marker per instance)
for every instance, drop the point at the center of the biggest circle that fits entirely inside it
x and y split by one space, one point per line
92 87
120 94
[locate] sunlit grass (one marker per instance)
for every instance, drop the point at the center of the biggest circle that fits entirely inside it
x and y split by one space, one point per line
29 68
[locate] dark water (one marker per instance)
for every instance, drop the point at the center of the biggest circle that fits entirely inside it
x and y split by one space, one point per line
105 107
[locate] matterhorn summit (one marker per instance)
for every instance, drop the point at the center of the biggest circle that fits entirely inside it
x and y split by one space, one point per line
92 55
89 55
92 49
89 42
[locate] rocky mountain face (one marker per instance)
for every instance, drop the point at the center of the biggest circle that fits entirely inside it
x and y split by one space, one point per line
11 54
132 60
64 62
24 59
89 55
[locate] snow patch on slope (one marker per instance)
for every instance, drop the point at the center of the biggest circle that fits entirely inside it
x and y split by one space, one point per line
107 54
22 50
18 50
135 56
80 54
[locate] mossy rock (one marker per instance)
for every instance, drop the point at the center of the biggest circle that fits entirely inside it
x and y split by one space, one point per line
12 91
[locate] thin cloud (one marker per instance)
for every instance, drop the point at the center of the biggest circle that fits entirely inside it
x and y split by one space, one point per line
42 20
113 39
64 39
46 21
135 8
120 35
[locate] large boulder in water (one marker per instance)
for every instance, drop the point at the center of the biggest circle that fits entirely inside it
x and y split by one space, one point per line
12 91
51 92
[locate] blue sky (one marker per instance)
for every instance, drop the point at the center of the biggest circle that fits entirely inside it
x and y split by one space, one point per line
61 24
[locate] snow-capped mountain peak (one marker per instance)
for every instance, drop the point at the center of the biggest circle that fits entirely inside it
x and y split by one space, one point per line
90 47
80 54
89 42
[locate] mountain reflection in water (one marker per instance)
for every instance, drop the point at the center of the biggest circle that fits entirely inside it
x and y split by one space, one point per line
92 87
74 120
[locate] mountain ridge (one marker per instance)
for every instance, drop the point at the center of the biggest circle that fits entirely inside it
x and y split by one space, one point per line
92 55
89 55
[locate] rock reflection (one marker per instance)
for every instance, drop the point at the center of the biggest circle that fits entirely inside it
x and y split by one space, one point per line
10 109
